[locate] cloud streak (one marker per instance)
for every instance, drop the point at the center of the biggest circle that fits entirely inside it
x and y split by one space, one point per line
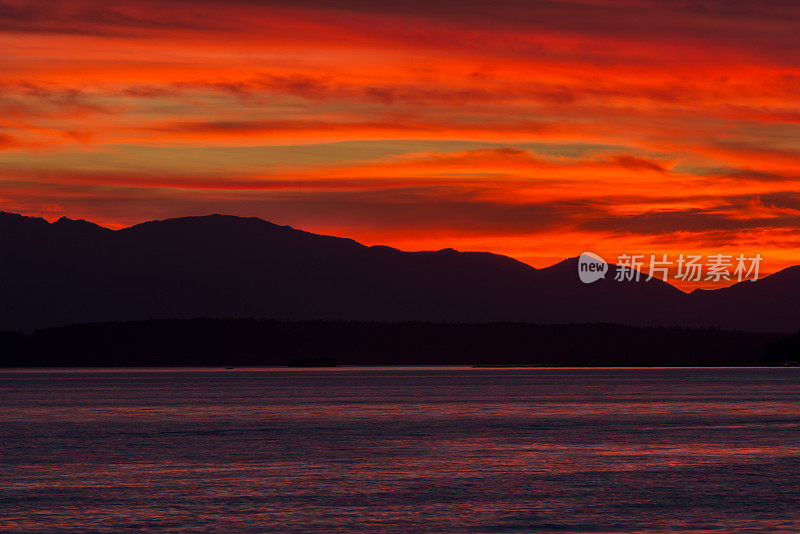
529 128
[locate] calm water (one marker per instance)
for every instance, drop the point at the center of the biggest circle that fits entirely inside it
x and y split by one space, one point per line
401 450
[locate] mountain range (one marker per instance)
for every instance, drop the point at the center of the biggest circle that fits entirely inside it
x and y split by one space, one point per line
73 271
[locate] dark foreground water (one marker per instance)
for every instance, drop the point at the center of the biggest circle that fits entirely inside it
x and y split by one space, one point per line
401 450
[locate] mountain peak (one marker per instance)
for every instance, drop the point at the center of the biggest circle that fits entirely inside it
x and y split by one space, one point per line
77 225
215 219
8 217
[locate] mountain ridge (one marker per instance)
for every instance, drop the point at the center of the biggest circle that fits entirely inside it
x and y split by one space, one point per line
73 271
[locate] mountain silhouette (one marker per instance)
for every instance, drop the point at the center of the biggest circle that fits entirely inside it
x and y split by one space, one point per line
74 271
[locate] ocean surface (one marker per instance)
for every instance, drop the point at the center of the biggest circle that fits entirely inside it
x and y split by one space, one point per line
400 450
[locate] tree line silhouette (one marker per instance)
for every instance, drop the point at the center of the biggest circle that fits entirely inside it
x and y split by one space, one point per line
249 342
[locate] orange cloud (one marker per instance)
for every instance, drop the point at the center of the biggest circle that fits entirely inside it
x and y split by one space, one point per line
535 129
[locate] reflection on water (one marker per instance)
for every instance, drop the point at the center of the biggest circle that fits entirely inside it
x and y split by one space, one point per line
401 450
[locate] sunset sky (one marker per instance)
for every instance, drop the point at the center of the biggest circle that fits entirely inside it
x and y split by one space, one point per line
533 129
